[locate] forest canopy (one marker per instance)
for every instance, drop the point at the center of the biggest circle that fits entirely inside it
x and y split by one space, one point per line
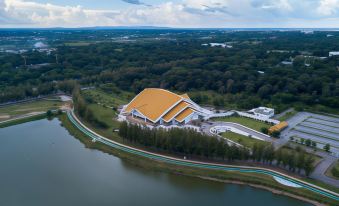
250 72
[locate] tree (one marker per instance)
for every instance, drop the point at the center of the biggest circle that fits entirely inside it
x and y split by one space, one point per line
49 113
308 166
302 141
308 142
301 160
314 144
264 130
327 147
276 134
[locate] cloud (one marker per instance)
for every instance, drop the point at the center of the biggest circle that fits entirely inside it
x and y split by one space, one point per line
47 15
328 7
282 5
136 2
187 13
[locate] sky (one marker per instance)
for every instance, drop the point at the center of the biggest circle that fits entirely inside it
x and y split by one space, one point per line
170 13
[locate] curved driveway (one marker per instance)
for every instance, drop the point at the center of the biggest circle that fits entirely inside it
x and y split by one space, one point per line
197 164
240 127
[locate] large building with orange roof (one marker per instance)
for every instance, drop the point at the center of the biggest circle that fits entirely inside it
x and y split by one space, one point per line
162 107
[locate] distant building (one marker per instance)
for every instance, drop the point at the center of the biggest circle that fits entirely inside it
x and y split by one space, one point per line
333 53
287 63
155 106
223 45
263 112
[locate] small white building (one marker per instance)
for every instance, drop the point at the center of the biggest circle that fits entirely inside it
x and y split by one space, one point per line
222 45
333 53
263 112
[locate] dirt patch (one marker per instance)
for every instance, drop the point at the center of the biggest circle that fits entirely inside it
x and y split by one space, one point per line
5 116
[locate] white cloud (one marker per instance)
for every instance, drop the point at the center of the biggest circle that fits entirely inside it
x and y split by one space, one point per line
328 7
46 15
188 13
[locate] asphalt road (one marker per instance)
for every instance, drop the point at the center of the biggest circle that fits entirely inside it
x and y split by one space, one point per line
321 127
197 164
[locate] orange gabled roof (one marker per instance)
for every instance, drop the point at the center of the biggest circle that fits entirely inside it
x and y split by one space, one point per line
180 117
185 96
278 127
153 103
174 111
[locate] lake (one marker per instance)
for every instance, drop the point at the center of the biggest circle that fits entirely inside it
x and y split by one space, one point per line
42 164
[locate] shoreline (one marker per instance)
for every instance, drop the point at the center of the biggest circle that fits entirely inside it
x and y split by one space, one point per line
168 169
21 120
183 173
225 177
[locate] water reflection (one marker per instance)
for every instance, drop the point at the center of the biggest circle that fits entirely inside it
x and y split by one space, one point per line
41 164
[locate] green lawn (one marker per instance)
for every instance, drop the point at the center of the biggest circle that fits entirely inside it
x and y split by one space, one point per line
288 115
104 105
107 99
329 171
243 140
79 43
25 108
251 123
106 115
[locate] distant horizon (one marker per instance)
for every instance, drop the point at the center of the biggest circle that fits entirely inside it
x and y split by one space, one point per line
175 28
170 13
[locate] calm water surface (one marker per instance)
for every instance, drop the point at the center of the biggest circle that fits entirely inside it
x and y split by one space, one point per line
41 164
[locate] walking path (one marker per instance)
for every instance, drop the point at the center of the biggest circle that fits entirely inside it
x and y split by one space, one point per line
76 122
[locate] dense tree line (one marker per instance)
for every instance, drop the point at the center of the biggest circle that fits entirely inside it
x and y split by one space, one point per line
193 144
179 62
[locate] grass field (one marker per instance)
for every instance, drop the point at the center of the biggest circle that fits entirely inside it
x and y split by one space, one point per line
23 120
251 123
288 115
107 99
329 170
104 105
25 108
80 43
243 140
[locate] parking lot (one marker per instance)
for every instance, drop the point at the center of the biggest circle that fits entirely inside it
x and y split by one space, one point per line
318 128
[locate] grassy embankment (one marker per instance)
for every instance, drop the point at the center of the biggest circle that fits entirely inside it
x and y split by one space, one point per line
243 140
12 114
23 120
108 115
251 123
334 168
16 110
